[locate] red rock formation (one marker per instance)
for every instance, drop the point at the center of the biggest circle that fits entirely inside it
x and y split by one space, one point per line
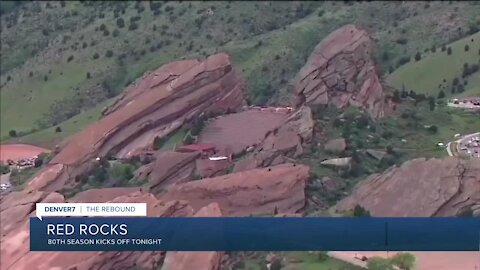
16 207
420 188
196 260
341 71
168 168
252 192
285 141
155 105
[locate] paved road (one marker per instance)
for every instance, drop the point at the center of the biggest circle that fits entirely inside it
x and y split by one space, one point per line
462 139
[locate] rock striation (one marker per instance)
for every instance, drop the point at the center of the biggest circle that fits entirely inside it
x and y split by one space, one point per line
18 206
196 260
251 192
420 188
341 71
155 105
282 143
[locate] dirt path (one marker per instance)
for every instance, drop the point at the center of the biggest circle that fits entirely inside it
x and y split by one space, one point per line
19 151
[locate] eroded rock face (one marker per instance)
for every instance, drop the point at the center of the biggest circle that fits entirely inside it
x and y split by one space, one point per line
420 188
156 105
341 71
167 168
284 142
196 260
257 191
17 207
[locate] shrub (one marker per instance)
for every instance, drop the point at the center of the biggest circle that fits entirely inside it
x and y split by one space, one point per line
433 49
96 56
449 51
88 75
58 129
12 133
404 261
115 33
109 53
120 23
106 32
4 169
45 78
102 27
433 129
402 41
70 58
441 94
158 143
466 48
418 56
359 211
132 26
444 48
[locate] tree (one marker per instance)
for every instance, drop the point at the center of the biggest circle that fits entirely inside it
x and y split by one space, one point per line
132 26
4 169
396 96
467 47
95 56
158 142
58 129
444 47
115 33
12 133
433 49
109 53
418 56
431 103
359 211
404 261
449 50
120 23
378 263
89 75
433 129
38 162
441 94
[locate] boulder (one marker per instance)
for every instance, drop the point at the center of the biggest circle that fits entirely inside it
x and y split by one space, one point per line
253 192
196 260
341 71
15 252
419 188
336 145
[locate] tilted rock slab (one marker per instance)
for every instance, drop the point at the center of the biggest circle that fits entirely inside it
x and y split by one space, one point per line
420 188
155 105
252 192
196 260
17 207
341 71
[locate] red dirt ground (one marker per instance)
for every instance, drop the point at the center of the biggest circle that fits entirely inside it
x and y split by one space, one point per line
434 260
240 130
19 151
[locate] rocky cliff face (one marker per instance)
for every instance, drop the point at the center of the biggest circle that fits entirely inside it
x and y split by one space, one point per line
341 71
195 260
420 188
18 206
285 141
155 105
252 192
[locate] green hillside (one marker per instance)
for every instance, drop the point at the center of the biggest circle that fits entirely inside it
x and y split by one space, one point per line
60 59
435 71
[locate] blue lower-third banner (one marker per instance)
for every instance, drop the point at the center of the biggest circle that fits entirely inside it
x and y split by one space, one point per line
254 234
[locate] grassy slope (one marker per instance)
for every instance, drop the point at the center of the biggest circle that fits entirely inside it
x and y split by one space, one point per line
235 27
426 75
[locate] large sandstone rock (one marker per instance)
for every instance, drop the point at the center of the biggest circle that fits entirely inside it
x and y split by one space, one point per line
285 141
252 192
17 207
341 71
156 105
420 188
196 260
336 145
167 168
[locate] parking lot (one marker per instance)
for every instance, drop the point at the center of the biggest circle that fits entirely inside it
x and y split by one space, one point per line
470 146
